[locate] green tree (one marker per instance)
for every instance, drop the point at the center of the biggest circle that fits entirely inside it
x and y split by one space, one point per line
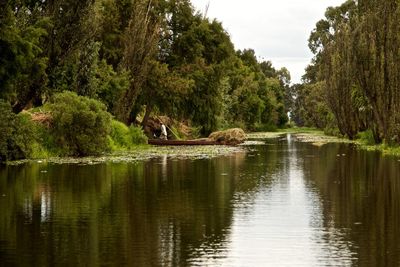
265 88
22 64
377 50
200 51
338 72
140 40
311 108
113 22
73 28
164 91
333 67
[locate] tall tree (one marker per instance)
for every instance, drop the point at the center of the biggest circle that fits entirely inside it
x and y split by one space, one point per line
73 30
331 42
22 63
140 45
377 46
338 72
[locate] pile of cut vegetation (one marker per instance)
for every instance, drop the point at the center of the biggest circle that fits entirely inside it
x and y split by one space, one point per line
41 117
175 129
233 136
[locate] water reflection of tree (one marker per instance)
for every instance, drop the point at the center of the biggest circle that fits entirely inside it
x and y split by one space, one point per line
361 192
125 214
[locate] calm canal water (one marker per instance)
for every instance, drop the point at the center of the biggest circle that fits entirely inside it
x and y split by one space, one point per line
284 203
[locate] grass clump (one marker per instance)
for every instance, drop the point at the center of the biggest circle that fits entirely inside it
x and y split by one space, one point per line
366 141
137 136
123 137
332 131
119 136
366 138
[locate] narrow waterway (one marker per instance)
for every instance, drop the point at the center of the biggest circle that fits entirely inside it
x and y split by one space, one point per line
282 203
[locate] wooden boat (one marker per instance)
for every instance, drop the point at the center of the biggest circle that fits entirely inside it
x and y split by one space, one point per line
199 142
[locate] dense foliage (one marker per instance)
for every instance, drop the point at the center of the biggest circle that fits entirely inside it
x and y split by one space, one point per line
137 57
18 136
355 70
80 124
123 137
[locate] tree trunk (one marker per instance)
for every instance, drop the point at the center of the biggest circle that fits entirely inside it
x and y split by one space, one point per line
140 43
149 109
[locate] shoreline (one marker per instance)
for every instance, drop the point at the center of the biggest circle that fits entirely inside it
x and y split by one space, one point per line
319 138
146 152
141 153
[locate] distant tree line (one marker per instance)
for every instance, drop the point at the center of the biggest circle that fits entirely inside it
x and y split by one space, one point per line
353 82
136 57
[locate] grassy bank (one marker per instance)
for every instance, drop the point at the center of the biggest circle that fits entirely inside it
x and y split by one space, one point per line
386 150
317 137
128 144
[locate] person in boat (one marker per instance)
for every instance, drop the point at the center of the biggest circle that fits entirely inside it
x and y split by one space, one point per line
163 135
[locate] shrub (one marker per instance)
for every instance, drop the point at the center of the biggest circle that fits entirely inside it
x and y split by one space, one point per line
24 138
6 128
46 142
80 124
124 137
119 135
367 137
290 124
332 131
18 138
137 135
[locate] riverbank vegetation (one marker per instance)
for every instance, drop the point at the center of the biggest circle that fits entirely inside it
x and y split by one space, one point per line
80 77
86 82
68 125
351 88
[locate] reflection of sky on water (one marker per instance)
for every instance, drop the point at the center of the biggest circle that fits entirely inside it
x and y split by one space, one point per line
43 201
282 225
45 206
169 243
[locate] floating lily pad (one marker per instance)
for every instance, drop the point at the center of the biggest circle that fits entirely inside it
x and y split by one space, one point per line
146 153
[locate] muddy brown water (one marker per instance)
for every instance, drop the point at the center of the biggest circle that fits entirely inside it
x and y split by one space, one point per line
283 203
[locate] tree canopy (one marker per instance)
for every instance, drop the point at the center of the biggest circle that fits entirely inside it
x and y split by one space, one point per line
356 68
138 57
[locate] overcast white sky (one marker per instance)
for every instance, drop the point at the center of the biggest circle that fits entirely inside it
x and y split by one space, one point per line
277 30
